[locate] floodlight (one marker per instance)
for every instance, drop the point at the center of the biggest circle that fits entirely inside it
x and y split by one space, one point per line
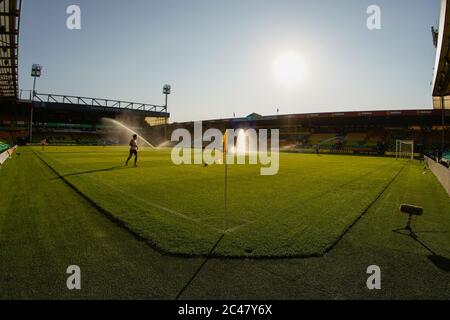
36 70
166 89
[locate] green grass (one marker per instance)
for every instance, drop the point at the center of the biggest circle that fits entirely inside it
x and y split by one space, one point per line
180 209
46 226
408 269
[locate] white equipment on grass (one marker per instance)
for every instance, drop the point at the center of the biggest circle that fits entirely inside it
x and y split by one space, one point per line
404 149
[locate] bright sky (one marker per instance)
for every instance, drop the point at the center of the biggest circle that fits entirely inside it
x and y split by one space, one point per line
234 56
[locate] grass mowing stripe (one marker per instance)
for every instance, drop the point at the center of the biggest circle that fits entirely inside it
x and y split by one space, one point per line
199 268
274 216
45 226
333 244
346 183
157 206
348 228
108 214
321 195
152 204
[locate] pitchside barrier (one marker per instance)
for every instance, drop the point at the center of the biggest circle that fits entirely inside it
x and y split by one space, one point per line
7 154
441 172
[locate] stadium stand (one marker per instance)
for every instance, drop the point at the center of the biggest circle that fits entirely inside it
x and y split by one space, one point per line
368 132
321 138
3 146
347 132
356 139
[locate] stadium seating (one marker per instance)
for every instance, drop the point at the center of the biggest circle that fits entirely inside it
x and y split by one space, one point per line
366 142
321 138
87 139
5 136
3 146
374 138
58 138
356 139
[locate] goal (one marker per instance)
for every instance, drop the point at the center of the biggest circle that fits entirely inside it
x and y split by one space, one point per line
404 149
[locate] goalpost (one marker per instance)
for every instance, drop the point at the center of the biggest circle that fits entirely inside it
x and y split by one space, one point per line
404 149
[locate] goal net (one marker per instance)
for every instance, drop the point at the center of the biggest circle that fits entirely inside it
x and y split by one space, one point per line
404 149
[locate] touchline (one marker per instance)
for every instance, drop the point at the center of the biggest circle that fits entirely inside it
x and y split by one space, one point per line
235 146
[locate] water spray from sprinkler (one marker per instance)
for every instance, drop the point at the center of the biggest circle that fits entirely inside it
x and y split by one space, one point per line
117 123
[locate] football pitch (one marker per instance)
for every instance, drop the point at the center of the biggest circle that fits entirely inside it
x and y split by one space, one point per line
321 214
301 211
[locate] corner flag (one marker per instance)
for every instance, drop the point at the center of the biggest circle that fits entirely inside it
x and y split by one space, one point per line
225 195
225 138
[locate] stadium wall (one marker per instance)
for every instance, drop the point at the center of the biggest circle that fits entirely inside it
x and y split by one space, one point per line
442 173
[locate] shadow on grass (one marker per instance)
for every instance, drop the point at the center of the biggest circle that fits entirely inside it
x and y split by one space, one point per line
440 262
92 171
432 231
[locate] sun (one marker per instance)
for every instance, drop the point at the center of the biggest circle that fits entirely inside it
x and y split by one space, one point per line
289 68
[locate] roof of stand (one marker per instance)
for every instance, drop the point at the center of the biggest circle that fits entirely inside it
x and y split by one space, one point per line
9 40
